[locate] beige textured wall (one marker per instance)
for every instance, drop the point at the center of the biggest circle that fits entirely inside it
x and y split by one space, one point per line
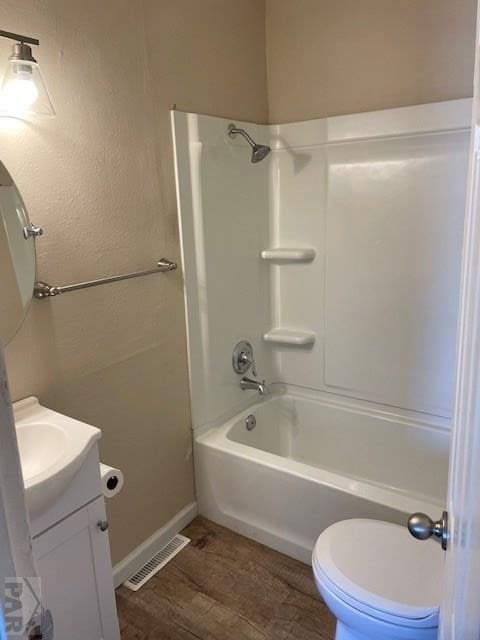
330 57
99 179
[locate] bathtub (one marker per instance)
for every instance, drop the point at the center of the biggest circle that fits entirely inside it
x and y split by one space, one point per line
311 462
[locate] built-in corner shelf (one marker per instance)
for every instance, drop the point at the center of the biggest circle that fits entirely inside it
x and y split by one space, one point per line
288 255
288 336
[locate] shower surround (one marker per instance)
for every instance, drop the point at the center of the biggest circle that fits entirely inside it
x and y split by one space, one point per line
338 257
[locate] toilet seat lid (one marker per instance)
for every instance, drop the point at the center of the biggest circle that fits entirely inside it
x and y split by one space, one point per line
380 565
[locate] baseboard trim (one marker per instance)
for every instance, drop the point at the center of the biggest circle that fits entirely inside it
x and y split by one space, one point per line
142 554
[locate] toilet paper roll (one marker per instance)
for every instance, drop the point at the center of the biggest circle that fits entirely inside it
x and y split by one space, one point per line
112 480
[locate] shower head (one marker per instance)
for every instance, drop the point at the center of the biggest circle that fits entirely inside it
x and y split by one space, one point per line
259 151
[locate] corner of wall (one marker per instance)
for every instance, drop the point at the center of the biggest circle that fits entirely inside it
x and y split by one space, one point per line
267 60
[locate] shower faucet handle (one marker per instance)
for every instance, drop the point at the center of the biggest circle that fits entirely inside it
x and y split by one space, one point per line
243 358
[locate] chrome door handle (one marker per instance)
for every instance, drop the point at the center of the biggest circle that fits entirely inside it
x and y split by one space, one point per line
423 527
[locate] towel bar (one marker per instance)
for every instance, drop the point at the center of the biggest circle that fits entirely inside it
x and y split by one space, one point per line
43 290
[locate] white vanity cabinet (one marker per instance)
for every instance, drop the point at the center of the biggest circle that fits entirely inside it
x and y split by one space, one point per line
73 561
72 552
63 491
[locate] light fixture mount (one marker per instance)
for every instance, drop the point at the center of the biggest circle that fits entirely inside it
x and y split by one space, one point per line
19 38
22 52
21 49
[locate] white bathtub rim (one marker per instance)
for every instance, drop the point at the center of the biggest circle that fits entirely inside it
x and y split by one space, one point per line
385 495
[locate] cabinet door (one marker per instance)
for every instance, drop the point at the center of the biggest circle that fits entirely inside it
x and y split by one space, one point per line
74 565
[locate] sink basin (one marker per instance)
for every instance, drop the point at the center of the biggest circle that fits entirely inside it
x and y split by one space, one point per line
52 449
41 446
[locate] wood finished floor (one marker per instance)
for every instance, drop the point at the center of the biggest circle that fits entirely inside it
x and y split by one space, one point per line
223 586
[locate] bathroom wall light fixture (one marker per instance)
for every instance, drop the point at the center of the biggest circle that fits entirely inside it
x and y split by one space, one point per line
23 89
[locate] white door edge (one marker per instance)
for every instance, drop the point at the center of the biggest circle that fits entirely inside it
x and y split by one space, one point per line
460 607
16 557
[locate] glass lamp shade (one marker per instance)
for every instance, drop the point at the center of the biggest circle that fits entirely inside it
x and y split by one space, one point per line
23 91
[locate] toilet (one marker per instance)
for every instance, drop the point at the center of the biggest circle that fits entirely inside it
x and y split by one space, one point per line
378 581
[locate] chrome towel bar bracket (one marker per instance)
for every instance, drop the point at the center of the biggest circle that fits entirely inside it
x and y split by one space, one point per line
43 290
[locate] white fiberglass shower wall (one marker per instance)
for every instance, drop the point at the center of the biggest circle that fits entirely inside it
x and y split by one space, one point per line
225 200
381 198
338 257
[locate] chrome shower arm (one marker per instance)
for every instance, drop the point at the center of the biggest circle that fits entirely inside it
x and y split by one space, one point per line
259 151
233 131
